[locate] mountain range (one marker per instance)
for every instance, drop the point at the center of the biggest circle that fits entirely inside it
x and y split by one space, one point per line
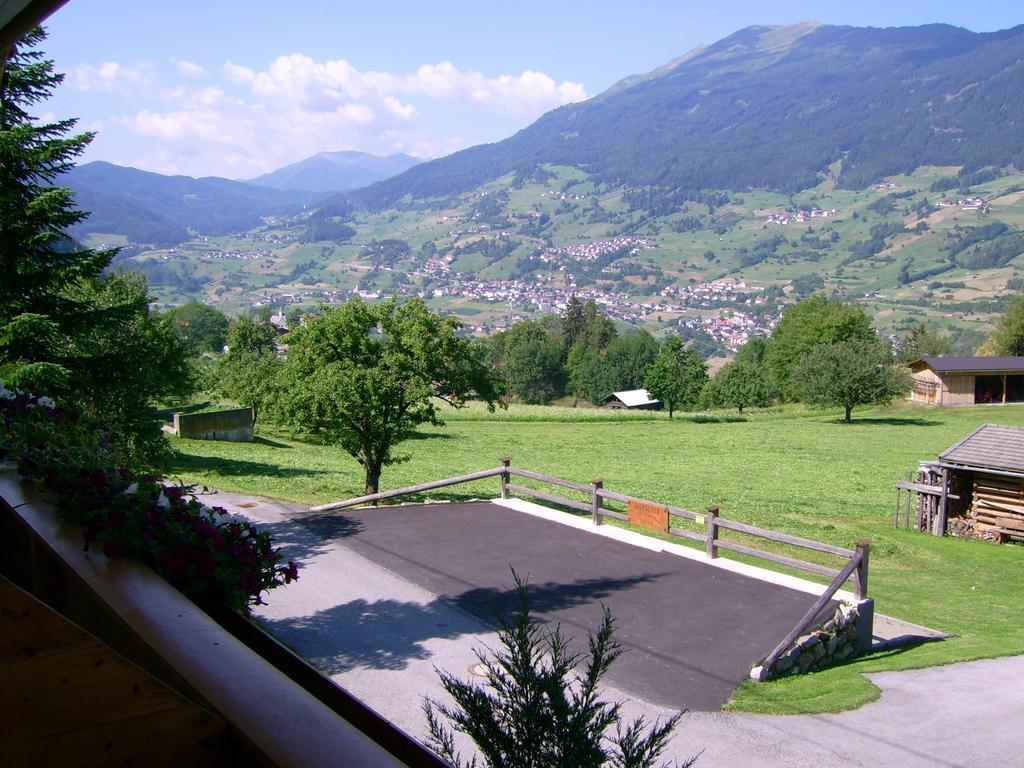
336 171
161 210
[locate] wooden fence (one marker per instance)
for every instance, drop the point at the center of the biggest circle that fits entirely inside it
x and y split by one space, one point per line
856 566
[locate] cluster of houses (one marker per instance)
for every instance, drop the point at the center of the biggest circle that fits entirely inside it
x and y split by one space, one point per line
596 249
973 203
732 329
725 291
173 255
562 195
482 229
800 216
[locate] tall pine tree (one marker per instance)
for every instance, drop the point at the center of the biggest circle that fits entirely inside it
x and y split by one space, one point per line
66 330
39 263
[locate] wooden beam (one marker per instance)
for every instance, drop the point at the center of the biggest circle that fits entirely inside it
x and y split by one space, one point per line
813 611
785 538
522 489
931 490
821 570
409 489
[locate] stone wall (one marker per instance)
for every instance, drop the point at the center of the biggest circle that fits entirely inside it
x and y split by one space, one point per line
847 633
234 425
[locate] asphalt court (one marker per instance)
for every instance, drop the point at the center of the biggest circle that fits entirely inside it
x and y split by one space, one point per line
691 631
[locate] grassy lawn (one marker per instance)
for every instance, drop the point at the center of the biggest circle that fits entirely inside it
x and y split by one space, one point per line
794 470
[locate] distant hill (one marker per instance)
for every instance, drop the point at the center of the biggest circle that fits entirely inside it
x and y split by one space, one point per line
772 108
119 196
117 214
336 171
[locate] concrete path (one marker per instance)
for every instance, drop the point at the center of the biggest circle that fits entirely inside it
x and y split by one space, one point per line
382 637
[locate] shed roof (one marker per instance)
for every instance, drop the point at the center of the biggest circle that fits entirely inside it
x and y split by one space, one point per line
990 446
966 364
633 397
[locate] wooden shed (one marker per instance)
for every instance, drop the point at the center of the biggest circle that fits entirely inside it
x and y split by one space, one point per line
967 380
976 486
633 399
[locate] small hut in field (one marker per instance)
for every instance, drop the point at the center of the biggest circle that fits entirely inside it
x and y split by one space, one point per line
632 399
976 486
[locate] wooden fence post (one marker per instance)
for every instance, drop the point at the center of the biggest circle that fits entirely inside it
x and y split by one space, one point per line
712 537
506 461
595 503
861 574
940 521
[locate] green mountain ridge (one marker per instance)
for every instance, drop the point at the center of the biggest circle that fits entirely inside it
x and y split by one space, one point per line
208 205
772 108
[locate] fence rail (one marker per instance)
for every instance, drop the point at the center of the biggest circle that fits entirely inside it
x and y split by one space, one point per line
856 566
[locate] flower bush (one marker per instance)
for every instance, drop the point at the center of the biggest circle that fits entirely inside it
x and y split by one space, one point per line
214 558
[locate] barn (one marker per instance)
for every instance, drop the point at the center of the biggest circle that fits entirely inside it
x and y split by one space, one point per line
633 399
967 380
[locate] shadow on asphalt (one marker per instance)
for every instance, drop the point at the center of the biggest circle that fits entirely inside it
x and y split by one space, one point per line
303 538
388 634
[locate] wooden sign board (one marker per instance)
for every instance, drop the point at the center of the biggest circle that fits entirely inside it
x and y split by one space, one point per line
648 516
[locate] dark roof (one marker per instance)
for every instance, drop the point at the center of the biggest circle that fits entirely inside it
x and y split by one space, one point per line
991 446
965 364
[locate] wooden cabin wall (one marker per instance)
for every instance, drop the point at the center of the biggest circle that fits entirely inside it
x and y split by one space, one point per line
958 389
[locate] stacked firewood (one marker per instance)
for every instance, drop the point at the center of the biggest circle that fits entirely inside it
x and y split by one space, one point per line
999 506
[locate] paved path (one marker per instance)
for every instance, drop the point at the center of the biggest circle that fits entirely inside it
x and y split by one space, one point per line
382 636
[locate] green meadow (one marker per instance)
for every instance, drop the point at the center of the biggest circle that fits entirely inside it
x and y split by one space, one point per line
792 469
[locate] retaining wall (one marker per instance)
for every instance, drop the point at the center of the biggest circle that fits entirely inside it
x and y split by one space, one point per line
846 634
234 425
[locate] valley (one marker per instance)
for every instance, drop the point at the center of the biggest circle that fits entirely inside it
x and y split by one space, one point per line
720 271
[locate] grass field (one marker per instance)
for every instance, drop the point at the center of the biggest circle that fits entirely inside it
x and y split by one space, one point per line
791 469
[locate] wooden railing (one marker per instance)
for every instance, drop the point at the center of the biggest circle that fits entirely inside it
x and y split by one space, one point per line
856 566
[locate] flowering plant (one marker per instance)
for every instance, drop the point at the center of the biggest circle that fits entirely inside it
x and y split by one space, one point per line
216 559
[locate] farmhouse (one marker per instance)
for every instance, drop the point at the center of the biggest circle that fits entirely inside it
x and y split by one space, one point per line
632 399
967 380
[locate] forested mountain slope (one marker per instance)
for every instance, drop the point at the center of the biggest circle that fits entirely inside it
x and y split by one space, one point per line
773 108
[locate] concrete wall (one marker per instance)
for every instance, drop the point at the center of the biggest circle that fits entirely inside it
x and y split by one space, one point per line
234 425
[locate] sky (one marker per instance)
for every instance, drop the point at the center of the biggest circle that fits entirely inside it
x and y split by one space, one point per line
238 88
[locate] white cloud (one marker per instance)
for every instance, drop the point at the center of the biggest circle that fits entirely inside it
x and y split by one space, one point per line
113 76
242 121
189 68
530 93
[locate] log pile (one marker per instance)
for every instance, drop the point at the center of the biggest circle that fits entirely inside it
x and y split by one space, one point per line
999 506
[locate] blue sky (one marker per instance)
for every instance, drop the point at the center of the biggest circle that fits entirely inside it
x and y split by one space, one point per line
235 89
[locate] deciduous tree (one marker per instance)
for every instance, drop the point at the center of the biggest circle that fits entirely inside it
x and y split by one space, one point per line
249 369
846 374
529 358
1008 336
677 376
202 327
805 325
366 375
738 385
